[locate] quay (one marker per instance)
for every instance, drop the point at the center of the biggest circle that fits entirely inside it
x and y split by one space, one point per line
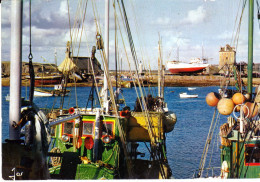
170 81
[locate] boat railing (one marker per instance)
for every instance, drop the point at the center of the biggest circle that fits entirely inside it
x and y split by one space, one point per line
215 172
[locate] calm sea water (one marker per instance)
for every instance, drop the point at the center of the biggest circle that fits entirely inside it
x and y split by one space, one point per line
185 143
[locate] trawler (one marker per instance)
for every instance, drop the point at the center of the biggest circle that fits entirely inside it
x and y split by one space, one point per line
240 134
102 142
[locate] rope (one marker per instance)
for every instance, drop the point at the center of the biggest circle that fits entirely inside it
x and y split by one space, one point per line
122 135
205 150
239 25
30 57
143 105
258 11
144 110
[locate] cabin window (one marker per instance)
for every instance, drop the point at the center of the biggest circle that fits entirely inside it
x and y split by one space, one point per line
88 128
68 128
107 129
252 155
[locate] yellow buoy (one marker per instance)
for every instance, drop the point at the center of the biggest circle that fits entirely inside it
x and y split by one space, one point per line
238 98
250 109
212 99
225 106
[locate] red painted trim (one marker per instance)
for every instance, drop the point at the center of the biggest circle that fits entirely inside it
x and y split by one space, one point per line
251 164
180 70
46 82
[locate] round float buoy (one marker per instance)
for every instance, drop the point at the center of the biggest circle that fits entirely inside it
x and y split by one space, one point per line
238 98
212 99
225 106
125 114
169 121
79 143
89 143
252 109
71 110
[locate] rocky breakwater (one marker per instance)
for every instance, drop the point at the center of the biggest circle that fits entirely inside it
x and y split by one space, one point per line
187 81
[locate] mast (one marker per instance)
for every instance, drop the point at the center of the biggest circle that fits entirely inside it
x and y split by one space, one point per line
107 53
159 68
15 66
55 57
250 46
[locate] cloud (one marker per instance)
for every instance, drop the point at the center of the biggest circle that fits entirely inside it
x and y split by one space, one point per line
195 16
162 21
225 35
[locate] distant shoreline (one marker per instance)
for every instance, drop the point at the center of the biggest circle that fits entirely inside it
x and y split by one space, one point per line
170 81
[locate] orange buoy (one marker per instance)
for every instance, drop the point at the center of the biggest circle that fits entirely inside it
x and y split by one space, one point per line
238 98
212 99
251 108
225 106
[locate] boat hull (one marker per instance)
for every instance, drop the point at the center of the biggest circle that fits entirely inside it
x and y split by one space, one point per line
186 70
75 158
181 67
184 95
47 80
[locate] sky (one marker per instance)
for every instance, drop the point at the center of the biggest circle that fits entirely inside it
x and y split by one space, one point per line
194 27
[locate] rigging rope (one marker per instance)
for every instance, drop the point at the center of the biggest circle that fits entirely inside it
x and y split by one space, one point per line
239 25
31 70
144 109
258 12
207 143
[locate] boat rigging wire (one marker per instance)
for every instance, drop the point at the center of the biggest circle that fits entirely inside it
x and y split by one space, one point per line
207 143
31 70
236 38
103 56
235 22
144 110
258 12
147 117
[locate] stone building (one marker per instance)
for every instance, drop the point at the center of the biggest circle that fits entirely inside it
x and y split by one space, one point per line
80 65
227 56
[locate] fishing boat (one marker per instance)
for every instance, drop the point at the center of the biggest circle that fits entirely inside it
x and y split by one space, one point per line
191 88
7 97
57 91
47 80
195 65
240 134
42 93
106 142
185 95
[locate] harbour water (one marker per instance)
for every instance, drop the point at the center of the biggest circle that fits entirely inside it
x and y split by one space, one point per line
185 143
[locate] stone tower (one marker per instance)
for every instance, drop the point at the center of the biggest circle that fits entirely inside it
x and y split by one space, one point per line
227 56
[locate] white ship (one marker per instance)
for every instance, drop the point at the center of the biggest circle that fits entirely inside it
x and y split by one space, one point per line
195 65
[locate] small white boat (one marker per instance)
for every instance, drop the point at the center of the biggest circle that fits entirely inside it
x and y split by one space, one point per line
191 88
185 95
7 97
42 94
